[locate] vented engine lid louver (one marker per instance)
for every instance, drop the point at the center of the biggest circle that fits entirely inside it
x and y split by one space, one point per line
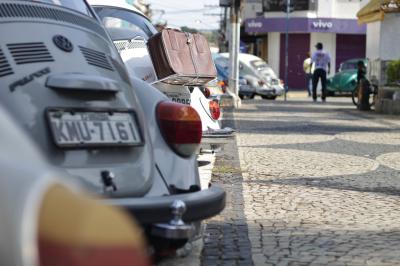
43 11
96 58
28 53
5 68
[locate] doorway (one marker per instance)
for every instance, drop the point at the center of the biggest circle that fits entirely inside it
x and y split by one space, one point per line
299 45
349 47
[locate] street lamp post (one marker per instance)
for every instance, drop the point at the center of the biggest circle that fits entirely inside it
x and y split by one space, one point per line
287 48
234 50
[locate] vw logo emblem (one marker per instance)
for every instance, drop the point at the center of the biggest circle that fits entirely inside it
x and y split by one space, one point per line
63 43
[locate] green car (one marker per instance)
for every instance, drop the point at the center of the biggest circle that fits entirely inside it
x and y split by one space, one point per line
344 81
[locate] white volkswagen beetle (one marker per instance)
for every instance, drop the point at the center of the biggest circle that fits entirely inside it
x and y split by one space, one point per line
66 85
130 30
259 74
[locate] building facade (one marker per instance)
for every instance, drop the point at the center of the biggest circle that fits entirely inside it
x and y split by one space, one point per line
331 22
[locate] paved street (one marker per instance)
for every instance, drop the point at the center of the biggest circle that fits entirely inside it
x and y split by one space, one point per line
308 184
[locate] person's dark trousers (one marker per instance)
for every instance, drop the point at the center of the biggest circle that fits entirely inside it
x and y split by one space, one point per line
319 74
308 85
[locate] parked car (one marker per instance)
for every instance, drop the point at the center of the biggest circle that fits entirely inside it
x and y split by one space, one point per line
345 80
47 220
260 75
245 89
130 30
67 86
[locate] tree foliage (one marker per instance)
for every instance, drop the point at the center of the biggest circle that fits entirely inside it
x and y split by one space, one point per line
393 72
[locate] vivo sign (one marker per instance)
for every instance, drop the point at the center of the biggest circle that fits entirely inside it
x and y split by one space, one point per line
320 24
255 24
301 25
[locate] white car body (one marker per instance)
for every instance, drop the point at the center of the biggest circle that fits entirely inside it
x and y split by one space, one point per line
26 180
84 84
253 69
137 59
180 174
176 170
25 176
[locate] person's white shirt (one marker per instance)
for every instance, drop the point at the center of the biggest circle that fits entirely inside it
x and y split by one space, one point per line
321 60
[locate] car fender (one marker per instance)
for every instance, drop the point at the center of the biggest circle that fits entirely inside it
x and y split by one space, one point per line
201 104
176 170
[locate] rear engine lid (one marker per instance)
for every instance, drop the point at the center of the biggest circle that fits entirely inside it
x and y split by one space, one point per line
67 86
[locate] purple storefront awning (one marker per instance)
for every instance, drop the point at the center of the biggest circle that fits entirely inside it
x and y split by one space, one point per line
296 24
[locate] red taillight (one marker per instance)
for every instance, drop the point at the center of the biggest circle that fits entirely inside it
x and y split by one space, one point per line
261 82
214 110
180 126
206 92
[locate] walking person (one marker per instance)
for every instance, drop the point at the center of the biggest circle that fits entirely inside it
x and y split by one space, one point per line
322 64
307 66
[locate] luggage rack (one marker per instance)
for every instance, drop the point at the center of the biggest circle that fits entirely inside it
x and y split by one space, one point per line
178 80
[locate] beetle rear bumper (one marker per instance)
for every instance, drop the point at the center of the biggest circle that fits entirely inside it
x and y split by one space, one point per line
149 210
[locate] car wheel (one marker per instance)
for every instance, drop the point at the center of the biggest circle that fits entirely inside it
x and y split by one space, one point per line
241 96
252 96
268 97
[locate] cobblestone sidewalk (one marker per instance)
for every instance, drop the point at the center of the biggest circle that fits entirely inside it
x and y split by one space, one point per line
308 184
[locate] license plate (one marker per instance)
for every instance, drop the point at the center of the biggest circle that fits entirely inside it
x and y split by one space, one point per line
183 98
89 128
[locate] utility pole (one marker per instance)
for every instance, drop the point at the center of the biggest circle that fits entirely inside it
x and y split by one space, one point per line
223 31
234 48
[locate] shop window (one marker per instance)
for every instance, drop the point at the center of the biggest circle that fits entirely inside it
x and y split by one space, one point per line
296 5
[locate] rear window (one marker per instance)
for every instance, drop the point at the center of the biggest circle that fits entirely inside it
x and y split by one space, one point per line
259 64
263 68
124 24
77 5
349 66
222 62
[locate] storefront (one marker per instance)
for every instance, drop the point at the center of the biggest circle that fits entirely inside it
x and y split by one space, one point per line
342 38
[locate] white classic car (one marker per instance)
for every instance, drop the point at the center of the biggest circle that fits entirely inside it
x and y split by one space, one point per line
259 74
130 30
66 85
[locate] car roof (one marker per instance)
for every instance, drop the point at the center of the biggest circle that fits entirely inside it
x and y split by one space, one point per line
245 58
115 3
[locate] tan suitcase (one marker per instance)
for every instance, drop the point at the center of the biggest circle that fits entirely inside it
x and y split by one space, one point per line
181 58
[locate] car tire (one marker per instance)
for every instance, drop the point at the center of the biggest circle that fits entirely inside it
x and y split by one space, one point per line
241 96
268 97
252 96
